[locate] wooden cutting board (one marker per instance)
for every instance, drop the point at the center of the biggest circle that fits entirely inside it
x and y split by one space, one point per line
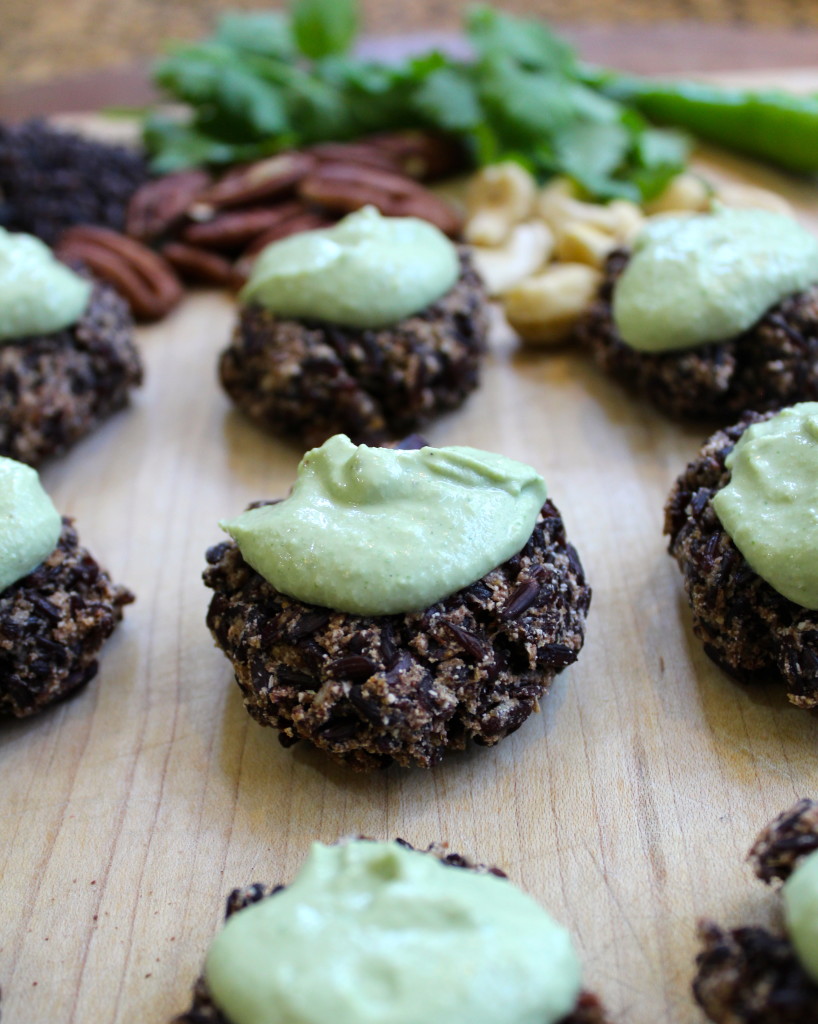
627 806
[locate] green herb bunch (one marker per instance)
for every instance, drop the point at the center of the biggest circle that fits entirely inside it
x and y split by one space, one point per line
271 81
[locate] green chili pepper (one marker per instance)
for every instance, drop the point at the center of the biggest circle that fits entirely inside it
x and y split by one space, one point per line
769 124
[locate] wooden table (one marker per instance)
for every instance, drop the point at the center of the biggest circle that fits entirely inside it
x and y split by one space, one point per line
666 47
40 40
626 806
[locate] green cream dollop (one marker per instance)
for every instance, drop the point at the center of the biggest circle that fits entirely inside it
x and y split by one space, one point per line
373 933
376 531
800 894
770 505
38 294
29 524
367 271
704 278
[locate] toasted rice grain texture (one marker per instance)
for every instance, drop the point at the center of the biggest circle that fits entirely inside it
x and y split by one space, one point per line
51 179
774 363
53 623
407 688
308 380
750 975
746 626
589 1010
56 388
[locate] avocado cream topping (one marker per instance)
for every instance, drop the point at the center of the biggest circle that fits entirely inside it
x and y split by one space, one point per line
38 294
800 894
376 531
29 524
694 280
367 271
770 505
373 933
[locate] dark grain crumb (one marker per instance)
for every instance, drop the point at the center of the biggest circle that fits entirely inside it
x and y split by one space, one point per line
308 380
589 1009
370 690
56 388
53 623
792 836
747 628
51 179
750 975
772 364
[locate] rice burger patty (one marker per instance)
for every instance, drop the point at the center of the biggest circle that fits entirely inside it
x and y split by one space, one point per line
67 359
711 314
381 932
752 975
57 606
742 526
399 603
369 328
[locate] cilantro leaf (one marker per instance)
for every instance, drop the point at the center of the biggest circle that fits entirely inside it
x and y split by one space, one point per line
447 100
319 110
662 147
523 105
324 27
179 145
376 96
266 81
529 43
590 150
660 154
263 32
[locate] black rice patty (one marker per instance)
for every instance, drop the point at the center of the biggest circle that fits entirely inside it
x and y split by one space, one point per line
53 623
748 628
309 379
56 388
203 1011
370 690
774 363
749 975
51 179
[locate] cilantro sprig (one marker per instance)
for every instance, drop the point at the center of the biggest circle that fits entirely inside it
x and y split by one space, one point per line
269 81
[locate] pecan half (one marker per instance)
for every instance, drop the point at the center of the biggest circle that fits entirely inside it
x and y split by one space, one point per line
292 226
202 266
308 221
361 153
422 155
162 203
143 278
348 187
389 183
260 180
236 228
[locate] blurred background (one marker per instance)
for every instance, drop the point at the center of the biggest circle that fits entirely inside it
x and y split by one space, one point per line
40 40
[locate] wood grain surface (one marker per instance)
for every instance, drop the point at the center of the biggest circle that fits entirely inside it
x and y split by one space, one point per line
626 806
61 76
40 40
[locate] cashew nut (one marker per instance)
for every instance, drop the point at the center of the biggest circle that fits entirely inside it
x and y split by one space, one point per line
628 219
528 247
579 242
685 192
497 198
559 208
544 308
556 192
736 194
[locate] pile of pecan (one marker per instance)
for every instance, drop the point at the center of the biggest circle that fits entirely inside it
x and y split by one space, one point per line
193 227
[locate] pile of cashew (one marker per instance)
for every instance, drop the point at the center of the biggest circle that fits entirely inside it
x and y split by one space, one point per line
541 251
